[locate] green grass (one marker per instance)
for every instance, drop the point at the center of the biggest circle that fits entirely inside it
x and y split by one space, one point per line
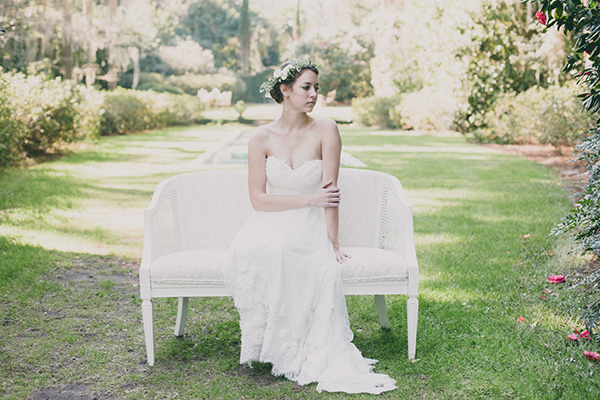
70 319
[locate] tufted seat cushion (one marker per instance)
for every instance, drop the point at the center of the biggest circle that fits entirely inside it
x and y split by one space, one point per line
205 267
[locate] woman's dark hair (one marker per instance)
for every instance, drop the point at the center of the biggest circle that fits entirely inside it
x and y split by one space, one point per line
276 91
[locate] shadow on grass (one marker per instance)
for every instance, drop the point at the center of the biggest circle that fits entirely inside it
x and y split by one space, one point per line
90 156
38 189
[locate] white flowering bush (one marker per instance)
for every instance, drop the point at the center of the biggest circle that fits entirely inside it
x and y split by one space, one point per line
428 109
188 56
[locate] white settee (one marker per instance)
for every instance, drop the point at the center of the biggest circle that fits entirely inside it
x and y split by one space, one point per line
193 218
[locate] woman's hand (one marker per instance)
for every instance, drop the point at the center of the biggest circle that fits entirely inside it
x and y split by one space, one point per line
339 256
325 196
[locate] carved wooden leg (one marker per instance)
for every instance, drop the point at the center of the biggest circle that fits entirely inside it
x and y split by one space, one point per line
181 316
412 311
148 315
382 311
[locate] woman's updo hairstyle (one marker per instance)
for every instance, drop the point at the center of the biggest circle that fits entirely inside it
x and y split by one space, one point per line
292 69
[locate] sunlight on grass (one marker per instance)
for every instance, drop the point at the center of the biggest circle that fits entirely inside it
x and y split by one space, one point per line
428 200
111 182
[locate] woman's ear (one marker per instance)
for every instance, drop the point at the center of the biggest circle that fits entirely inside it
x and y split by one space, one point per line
285 90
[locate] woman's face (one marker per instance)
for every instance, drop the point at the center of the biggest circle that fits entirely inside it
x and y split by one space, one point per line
303 93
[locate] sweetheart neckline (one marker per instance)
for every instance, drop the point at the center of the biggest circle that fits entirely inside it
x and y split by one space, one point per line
282 160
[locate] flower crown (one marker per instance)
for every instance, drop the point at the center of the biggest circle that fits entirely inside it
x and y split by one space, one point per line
290 70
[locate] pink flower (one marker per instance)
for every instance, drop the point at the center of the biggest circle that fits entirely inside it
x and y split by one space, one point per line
527 236
541 17
556 278
543 297
547 290
585 335
573 336
591 355
521 319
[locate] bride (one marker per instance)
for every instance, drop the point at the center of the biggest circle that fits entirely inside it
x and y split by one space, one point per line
283 268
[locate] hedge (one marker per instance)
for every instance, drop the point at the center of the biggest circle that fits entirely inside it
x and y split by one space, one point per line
545 116
39 115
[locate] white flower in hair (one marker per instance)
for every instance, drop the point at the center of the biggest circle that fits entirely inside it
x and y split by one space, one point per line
277 73
286 71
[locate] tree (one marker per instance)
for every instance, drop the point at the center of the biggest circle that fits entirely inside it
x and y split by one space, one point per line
67 38
213 24
503 57
343 64
245 36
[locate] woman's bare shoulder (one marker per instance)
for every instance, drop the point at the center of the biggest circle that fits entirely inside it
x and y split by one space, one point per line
326 127
325 123
260 134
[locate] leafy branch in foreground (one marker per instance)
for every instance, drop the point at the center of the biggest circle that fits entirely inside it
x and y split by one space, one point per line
583 19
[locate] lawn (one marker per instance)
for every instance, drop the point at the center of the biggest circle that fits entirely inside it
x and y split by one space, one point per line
70 318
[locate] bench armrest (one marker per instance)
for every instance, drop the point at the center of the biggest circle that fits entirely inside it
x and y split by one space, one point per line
162 228
395 227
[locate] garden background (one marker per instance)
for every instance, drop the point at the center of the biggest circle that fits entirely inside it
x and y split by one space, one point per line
98 103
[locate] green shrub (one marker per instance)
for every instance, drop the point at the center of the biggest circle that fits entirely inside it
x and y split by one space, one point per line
252 93
88 110
378 110
160 87
126 80
537 115
133 110
9 130
49 112
191 83
125 111
173 109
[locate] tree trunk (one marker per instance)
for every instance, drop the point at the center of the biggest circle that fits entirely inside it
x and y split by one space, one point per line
89 68
134 54
112 45
67 38
245 36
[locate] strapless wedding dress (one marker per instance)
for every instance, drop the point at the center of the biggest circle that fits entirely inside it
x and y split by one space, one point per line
287 287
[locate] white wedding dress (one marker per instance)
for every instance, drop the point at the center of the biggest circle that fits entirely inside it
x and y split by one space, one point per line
287 287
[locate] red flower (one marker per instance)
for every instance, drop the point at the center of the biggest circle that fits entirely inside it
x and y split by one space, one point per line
541 17
585 335
591 355
521 319
556 278
573 336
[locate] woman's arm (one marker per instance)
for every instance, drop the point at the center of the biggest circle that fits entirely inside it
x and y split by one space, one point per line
325 196
331 149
